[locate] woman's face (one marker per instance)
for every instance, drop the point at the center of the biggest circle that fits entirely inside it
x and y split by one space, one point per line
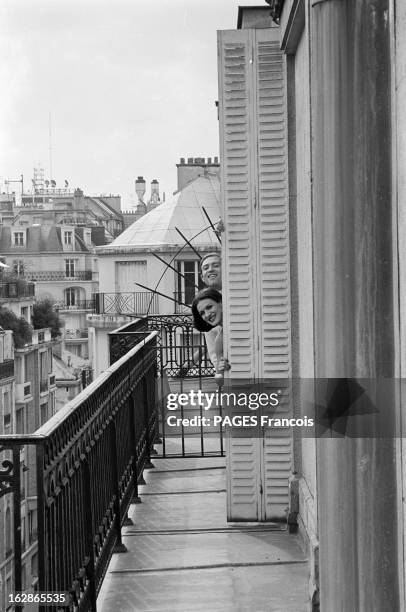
210 311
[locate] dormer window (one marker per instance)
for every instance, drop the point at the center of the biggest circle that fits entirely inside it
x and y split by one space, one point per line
68 237
18 238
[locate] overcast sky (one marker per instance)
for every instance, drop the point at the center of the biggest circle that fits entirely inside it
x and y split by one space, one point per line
130 86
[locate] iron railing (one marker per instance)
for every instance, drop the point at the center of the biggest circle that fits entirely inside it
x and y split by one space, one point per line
78 305
136 303
182 349
17 289
7 368
73 334
55 275
88 459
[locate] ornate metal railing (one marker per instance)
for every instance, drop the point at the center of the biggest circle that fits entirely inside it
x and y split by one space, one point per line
73 334
88 459
7 368
136 303
182 350
55 275
78 305
17 289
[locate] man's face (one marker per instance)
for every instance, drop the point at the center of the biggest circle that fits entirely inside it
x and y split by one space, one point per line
211 272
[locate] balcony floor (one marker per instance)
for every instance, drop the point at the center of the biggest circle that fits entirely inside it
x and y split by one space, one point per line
183 556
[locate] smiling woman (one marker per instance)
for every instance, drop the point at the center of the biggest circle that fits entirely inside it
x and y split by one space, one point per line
207 310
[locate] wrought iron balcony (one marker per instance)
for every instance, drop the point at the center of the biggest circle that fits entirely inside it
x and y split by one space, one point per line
75 334
78 305
136 303
88 457
7 369
17 289
55 275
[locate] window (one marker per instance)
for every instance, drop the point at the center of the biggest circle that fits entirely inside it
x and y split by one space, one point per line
7 421
44 413
18 238
188 280
71 296
20 421
24 312
18 267
68 237
69 268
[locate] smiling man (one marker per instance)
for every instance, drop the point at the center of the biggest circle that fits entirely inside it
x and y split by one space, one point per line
210 270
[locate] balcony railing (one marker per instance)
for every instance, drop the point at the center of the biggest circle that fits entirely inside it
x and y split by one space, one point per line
136 303
74 334
89 457
18 289
78 305
7 369
54 275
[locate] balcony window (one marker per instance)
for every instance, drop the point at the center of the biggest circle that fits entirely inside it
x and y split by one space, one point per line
18 267
187 280
7 422
71 296
69 268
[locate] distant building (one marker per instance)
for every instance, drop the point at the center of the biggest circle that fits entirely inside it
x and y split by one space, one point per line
61 263
27 400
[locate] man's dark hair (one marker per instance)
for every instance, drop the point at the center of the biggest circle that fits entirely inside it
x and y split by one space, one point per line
211 294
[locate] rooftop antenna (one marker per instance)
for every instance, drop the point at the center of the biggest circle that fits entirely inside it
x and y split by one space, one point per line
50 148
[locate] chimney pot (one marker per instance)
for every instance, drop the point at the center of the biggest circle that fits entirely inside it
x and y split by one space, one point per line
182 160
216 160
190 160
209 161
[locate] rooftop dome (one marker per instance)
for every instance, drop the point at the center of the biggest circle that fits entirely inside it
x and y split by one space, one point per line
184 211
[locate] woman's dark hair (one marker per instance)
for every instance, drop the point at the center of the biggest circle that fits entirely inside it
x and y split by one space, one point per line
211 294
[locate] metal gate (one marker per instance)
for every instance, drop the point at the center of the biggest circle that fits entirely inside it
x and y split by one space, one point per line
183 369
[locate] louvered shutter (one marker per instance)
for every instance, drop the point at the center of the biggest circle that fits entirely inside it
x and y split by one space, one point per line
252 113
273 261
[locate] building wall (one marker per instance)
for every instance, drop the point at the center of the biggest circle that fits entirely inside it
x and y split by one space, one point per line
354 287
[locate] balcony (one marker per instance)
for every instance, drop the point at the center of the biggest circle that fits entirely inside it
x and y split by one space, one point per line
54 275
89 456
135 303
76 334
17 289
23 392
7 369
78 305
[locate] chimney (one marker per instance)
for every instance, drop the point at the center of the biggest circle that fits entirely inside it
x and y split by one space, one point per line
140 188
154 200
196 166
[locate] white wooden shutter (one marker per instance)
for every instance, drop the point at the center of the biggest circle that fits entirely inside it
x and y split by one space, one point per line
128 273
273 262
256 295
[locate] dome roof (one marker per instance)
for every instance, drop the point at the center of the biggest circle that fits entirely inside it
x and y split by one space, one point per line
184 211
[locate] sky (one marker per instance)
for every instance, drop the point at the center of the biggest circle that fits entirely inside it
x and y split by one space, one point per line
116 89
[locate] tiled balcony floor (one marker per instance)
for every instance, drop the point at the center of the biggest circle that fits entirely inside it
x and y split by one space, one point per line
184 557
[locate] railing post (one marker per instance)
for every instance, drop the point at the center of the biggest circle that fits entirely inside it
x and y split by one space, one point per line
119 546
136 499
42 576
90 569
148 463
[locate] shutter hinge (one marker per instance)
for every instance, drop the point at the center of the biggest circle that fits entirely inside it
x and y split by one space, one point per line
261 490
